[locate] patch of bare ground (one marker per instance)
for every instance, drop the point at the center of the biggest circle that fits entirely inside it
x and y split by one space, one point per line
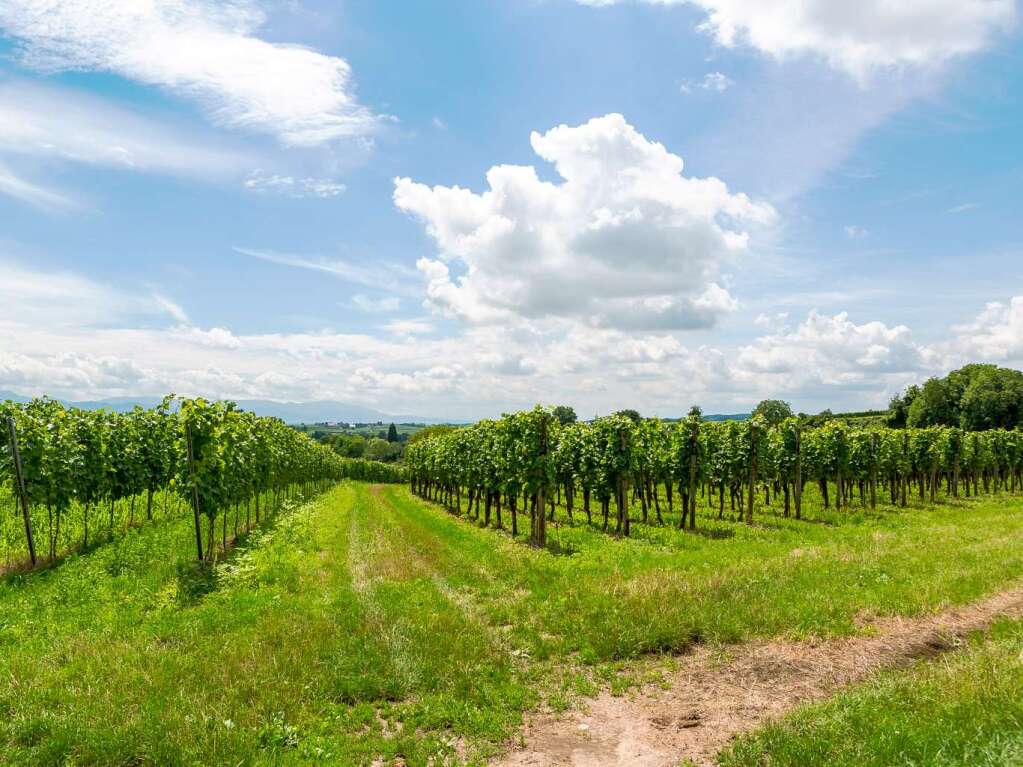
713 697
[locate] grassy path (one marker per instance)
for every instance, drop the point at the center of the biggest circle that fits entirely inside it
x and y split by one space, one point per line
371 625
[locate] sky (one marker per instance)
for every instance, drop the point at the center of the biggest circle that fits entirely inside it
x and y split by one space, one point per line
457 208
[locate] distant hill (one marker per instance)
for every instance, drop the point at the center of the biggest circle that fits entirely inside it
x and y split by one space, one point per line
727 417
291 412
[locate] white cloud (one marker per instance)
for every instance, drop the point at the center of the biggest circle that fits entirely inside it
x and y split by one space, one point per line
966 206
712 81
831 350
854 232
198 49
65 299
171 308
439 379
49 122
409 327
996 334
856 37
289 186
33 194
380 276
378 305
625 240
69 336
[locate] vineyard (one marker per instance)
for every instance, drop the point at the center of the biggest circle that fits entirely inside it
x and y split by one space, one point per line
69 477
669 471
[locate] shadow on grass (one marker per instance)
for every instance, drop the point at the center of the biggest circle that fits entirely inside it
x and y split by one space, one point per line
18 571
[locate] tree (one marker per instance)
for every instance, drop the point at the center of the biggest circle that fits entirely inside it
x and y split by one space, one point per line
349 445
932 406
632 415
993 400
773 411
564 414
392 433
976 396
381 450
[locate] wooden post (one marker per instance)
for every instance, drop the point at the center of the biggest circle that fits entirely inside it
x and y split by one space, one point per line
799 474
195 491
623 494
873 471
752 475
19 481
693 445
540 516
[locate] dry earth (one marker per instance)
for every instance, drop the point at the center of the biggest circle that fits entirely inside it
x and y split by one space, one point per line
714 697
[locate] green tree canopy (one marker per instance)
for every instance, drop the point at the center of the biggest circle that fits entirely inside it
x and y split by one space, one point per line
975 397
632 415
774 411
392 433
565 414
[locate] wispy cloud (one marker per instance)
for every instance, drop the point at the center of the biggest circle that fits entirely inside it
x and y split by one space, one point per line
289 186
716 82
53 299
390 277
378 305
855 232
963 208
33 194
197 49
53 123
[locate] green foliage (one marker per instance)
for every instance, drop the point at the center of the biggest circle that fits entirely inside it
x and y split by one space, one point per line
214 456
605 457
565 414
774 411
632 415
974 397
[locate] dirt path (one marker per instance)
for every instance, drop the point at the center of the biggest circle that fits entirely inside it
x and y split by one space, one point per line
713 698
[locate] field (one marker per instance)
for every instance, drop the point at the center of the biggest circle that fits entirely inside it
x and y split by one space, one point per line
370 624
367 430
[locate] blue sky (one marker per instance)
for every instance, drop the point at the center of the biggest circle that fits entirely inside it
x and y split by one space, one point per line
373 201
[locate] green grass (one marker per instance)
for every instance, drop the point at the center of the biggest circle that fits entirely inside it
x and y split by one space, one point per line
964 709
369 623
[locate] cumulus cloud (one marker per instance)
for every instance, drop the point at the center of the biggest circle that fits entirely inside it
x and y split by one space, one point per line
624 240
197 49
68 336
996 334
435 380
832 350
856 37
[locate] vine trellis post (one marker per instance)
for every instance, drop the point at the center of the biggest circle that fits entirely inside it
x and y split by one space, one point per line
19 480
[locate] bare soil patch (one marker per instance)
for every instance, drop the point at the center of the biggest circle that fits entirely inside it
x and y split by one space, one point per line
717 694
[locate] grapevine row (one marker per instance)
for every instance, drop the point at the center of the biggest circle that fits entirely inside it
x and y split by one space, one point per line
68 470
530 456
